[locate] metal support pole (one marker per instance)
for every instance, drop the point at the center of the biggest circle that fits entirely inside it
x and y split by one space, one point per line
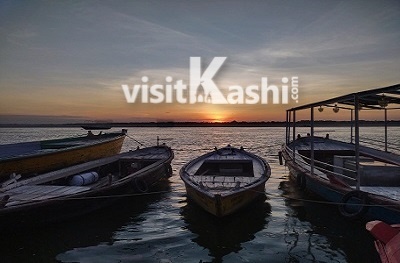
357 139
386 132
289 124
351 130
312 140
294 125
294 135
286 128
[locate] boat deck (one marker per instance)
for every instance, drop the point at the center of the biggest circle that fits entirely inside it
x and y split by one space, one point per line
322 145
34 193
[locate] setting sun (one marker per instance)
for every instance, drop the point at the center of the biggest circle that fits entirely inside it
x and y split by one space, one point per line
215 117
218 118
216 113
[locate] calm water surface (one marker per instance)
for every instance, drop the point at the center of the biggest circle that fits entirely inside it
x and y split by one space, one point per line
287 227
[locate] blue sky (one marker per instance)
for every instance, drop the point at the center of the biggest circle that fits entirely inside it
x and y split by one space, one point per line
68 59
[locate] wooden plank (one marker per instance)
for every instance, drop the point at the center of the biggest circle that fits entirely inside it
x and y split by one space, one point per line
36 191
42 189
31 189
67 191
72 170
25 190
44 192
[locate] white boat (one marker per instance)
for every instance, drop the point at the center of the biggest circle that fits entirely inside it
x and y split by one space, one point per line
225 180
361 176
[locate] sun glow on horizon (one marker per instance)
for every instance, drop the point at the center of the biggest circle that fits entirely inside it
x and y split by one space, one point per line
214 117
218 118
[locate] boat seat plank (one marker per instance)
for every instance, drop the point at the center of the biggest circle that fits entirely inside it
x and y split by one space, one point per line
42 192
31 189
33 192
63 192
223 180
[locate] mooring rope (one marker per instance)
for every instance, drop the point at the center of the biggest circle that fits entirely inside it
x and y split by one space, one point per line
141 144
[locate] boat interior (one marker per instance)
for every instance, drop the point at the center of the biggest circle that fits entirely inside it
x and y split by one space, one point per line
377 168
226 168
374 172
223 175
94 178
370 164
77 179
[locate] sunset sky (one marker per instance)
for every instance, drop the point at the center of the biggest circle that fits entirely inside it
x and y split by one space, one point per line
66 61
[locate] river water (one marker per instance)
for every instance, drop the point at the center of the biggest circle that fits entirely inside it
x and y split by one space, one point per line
289 226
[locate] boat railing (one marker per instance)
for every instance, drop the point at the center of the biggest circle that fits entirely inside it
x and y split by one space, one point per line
320 166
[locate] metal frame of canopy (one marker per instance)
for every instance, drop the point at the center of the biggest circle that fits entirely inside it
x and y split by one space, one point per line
387 98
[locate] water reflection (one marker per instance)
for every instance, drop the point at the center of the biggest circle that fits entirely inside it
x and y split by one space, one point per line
222 236
164 226
316 230
45 242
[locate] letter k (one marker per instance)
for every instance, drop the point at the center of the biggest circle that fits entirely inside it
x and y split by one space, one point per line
196 79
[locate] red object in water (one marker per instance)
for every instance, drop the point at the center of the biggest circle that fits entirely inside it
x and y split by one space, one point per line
387 241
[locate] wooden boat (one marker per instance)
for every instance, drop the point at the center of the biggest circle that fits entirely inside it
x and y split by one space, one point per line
364 179
387 240
30 158
225 180
84 187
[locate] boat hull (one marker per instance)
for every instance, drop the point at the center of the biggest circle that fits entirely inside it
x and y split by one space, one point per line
387 240
223 205
45 162
69 207
66 207
226 180
377 209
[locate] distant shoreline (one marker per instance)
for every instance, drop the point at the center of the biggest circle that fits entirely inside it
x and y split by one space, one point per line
203 124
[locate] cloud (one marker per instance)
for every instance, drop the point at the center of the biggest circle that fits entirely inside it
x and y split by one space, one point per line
79 54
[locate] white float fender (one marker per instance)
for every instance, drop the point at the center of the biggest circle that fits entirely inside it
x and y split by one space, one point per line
84 179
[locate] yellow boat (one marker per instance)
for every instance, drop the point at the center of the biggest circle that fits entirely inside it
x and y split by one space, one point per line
225 180
30 158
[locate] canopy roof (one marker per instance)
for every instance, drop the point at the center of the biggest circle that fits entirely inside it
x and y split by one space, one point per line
378 98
